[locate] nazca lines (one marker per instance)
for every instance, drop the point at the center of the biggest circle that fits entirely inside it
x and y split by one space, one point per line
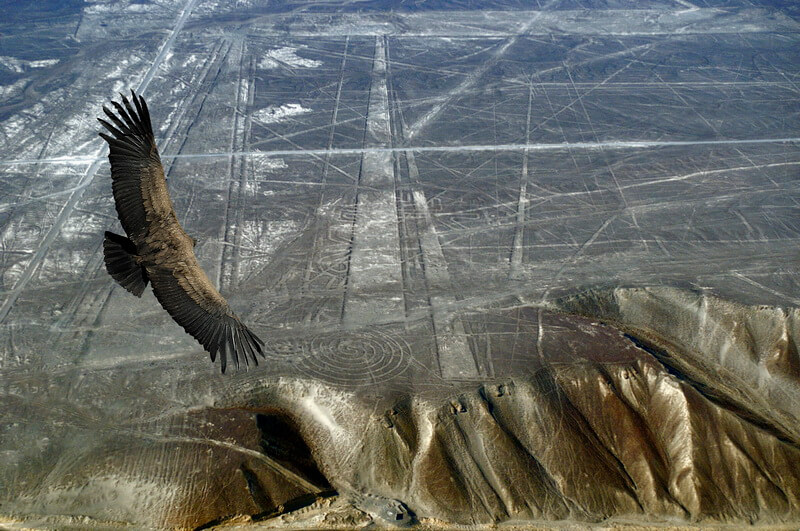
350 360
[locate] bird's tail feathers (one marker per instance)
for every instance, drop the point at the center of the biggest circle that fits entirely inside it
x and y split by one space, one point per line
119 253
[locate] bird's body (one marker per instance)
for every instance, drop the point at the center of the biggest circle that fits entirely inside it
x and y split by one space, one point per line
157 249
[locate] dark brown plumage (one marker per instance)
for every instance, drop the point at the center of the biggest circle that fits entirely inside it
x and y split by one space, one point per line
157 249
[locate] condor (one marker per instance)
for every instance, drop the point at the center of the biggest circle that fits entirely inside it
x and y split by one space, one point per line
157 249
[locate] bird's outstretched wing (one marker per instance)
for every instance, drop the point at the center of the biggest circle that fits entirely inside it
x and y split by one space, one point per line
137 177
197 306
179 283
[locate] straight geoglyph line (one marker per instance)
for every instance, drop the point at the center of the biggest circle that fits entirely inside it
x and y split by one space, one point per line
614 144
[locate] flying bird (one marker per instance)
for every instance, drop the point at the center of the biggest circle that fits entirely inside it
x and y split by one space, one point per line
157 249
